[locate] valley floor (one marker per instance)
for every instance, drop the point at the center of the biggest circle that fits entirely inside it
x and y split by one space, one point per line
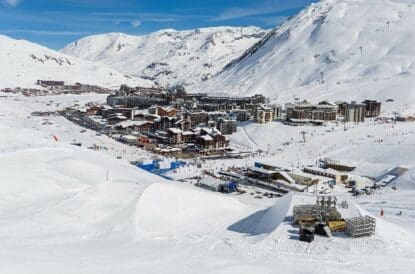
68 209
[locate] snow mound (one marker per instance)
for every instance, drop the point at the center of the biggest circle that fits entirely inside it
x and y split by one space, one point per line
172 210
61 194
264 221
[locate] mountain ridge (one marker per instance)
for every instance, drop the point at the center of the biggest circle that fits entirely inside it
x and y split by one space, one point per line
168 56
333 42
25 62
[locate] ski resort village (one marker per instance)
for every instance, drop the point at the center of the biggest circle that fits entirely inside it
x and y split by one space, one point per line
214 150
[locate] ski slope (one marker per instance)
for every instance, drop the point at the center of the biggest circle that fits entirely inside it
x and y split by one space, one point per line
67 209
335 50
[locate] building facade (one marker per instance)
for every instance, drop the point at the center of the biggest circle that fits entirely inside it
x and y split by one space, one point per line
355 112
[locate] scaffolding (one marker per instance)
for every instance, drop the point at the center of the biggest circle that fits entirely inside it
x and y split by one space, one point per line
324 210
310 212
360 226
327 202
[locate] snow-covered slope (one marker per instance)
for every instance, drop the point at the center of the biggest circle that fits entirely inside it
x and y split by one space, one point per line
334 46
22 63
67 209
169 56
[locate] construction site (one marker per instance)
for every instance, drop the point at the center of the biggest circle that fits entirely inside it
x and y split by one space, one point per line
324 218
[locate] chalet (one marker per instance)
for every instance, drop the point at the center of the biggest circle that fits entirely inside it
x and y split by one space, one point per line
183 124
175 135
212 143
146 117
166 111
116 118
211 139
188 136
197 118
165 123
139 126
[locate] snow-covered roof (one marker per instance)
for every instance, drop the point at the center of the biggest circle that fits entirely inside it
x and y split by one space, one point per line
206 137
129 137
263 170
175 130
323 170
211 130
130 123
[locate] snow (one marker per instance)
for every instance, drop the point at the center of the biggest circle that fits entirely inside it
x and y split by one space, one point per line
175 130
168 56
60 214
332 50
68 209
23 63
168 210
130 123
206 137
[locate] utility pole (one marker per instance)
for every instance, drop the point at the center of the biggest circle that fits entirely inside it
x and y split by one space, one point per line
107 175
303 133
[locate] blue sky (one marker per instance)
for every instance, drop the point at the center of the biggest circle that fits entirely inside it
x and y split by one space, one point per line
55 23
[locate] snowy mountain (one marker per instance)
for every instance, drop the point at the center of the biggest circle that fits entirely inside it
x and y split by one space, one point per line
23 63
168 56
335 48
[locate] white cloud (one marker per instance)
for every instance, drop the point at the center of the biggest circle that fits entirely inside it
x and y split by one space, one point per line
12 3
265 7
135 23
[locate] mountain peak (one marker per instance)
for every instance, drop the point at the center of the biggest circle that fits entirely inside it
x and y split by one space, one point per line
326 48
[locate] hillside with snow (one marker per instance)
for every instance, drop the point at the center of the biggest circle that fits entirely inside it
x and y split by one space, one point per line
23 62
77 210
168 56
335 49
